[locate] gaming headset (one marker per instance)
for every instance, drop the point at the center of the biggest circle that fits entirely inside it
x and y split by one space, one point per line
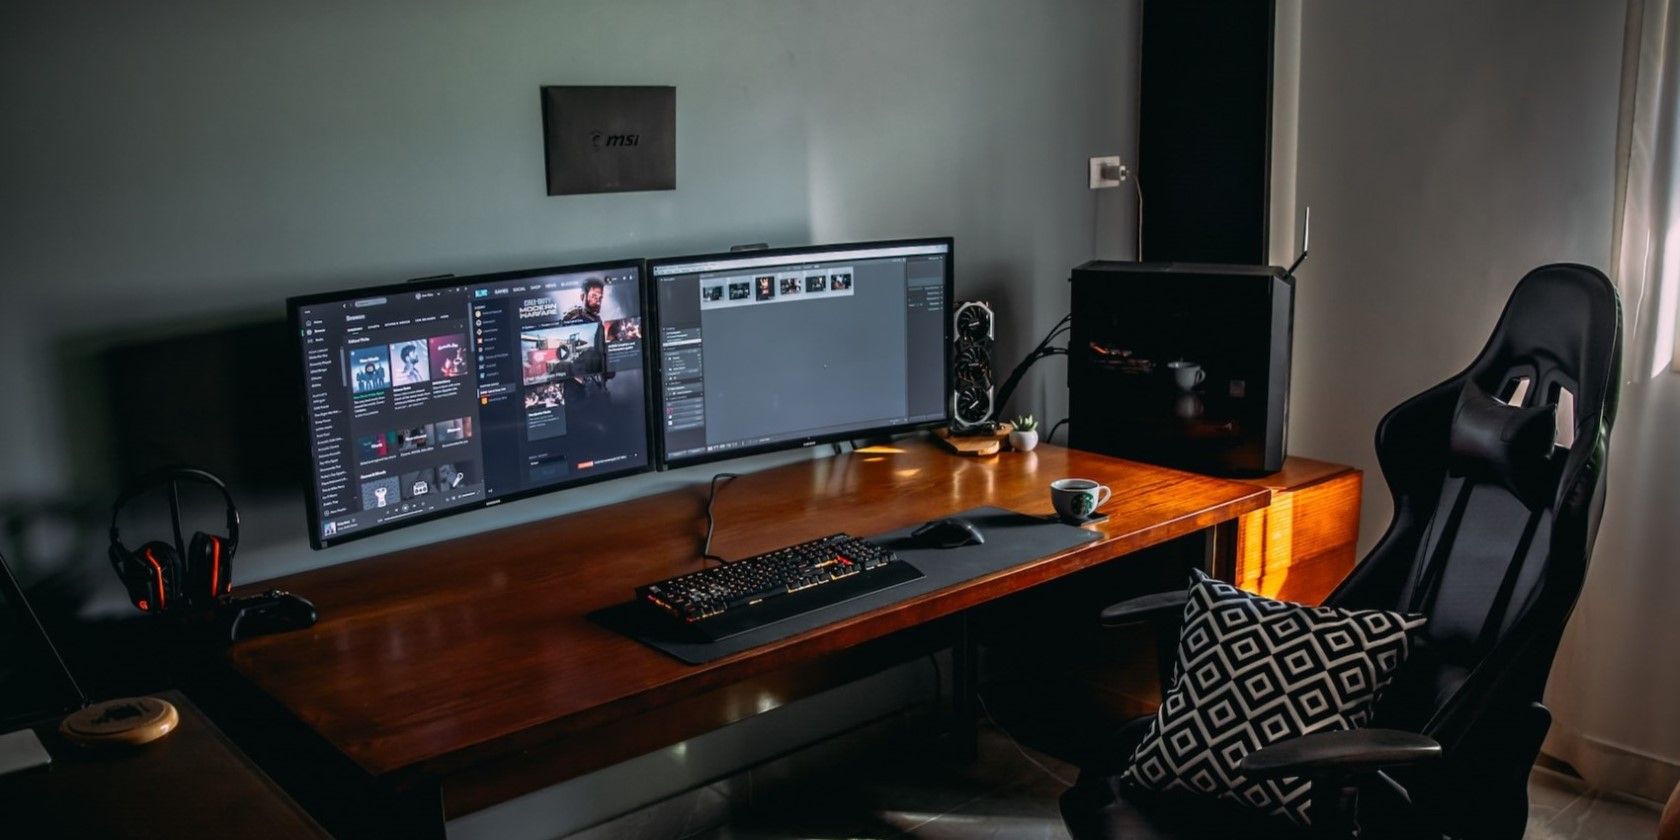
164 577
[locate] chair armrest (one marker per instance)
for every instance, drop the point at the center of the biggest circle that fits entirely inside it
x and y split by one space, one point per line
1151 608
1347 752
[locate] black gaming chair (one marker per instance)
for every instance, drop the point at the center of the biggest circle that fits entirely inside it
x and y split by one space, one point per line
1493 526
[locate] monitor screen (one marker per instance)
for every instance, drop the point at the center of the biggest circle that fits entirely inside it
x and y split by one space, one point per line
430 398
770 349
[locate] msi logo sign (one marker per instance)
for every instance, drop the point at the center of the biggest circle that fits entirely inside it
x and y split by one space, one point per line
609 141
600 139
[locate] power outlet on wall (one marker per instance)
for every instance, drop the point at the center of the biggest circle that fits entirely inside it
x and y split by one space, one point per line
1106 172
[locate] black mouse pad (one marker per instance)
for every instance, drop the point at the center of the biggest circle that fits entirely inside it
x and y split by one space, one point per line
1011 539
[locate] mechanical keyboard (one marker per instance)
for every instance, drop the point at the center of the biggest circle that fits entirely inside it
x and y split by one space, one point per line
735 597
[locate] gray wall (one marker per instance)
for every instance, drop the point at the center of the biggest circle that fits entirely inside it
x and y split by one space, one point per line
200 161
1446 148
205 160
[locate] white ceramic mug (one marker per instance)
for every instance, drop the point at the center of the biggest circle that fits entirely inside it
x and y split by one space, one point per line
1186 375
1077 498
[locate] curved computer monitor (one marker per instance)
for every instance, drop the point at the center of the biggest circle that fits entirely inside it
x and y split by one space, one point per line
429 398
773 349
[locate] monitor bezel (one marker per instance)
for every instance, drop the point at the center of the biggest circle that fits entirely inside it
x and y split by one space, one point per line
657 360
295 305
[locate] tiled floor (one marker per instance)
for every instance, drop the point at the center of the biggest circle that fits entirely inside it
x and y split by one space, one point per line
922 794
1562 808
892 780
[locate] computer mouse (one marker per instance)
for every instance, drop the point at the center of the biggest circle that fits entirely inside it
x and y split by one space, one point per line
952 532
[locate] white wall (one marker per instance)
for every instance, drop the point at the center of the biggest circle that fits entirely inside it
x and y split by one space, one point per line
201 159
1445 148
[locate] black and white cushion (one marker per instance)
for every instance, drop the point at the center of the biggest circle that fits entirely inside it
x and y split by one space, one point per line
1252 671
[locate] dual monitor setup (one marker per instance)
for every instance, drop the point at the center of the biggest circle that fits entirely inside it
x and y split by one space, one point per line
439 396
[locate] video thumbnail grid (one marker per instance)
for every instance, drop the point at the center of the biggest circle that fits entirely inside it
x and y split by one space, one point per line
378 367
777 287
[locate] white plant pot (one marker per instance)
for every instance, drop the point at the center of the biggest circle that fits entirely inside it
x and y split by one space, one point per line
1023 441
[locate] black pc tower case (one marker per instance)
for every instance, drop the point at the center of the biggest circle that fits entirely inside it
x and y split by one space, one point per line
1183 365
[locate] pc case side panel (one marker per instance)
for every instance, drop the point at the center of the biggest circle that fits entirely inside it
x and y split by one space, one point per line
1172 365
1282 359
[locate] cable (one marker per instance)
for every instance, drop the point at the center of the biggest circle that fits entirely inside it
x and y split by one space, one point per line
1138 186
1062 327
711 522
1096 220
1017 744
1043 349
1051 438
1058 333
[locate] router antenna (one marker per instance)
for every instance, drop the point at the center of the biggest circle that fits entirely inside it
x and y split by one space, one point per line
1306 239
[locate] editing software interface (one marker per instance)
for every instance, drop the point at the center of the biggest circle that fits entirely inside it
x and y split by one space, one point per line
425 400
764 350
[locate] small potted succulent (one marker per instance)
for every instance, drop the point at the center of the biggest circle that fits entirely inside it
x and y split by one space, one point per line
1025 434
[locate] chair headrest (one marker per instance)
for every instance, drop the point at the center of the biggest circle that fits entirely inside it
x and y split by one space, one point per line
1505 444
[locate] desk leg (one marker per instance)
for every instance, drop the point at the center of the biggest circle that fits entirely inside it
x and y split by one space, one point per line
1220 557
965 687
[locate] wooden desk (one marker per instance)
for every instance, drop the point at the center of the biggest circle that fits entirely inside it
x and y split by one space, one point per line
191 783
1301 545
469 667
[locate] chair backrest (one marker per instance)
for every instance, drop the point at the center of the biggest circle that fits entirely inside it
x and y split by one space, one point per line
1498 479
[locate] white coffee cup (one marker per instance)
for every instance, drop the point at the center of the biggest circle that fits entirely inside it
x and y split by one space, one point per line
1077 498
1186 375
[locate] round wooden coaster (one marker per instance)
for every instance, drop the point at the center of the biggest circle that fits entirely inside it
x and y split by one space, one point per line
131 720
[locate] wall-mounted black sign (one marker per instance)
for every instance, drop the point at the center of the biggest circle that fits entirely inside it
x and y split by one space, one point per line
610 139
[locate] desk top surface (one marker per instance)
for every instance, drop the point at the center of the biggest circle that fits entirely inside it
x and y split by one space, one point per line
191 783
427 660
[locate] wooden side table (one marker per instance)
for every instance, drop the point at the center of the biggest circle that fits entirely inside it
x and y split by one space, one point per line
191 783
1304 543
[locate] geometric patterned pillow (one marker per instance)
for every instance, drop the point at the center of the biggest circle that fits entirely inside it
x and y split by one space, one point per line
1252 671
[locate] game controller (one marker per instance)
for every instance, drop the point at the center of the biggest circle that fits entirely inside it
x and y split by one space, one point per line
274 611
